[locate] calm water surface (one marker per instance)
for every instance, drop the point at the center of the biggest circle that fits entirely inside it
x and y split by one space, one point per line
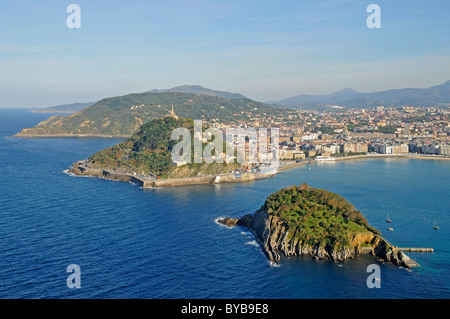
164 243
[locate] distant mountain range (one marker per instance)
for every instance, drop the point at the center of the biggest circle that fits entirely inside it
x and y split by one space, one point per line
346 98
197 89
349 98
64 108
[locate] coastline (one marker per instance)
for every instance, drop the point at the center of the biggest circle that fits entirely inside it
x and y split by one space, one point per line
356 157
81 169
412 156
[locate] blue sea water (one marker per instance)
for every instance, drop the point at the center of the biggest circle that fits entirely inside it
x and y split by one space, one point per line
165 243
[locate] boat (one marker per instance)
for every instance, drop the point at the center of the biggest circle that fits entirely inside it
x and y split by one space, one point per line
216 180
325 158
387 219
390 228
267 170
434 226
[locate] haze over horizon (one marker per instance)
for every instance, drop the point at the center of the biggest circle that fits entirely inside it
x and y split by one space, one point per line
263 50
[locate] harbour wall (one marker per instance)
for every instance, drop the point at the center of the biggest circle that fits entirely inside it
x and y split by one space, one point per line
148 182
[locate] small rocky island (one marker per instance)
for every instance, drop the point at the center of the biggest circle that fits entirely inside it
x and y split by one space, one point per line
302 220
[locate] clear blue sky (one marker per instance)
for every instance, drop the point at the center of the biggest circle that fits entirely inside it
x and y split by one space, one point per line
266 50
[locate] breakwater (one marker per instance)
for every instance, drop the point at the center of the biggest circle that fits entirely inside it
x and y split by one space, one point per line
412 249
198 180
80 168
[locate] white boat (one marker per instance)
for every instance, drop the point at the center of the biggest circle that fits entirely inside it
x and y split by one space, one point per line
325 158
390 228
216 180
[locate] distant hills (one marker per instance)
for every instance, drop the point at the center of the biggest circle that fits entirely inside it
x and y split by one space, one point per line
197 89
349 98
123 115
64 108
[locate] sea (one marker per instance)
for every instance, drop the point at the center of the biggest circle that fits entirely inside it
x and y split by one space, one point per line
130 242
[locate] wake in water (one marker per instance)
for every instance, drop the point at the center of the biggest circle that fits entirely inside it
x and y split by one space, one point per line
254 242
217 221
66 171
150 187
273 264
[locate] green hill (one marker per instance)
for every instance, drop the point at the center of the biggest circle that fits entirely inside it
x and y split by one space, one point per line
197 89
123 115
148 152
65 108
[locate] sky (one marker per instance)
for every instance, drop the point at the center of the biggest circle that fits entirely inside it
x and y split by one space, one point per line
266 50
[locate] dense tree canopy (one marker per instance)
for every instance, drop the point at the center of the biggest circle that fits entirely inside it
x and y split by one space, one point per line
315 215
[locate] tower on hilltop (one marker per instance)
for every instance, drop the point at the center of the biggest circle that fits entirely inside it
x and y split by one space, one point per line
172 114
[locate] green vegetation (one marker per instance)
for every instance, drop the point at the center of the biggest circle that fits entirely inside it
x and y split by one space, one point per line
124 115
197 89
325 129
348 154
148 152
381 129
351 127
65 108
388 128
316 216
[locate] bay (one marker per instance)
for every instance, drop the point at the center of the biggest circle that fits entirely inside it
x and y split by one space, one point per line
165 243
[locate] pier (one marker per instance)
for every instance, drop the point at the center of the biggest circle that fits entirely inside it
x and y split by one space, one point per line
412 249
407 261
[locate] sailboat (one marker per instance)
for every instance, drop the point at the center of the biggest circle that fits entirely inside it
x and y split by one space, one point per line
387 219
435 227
